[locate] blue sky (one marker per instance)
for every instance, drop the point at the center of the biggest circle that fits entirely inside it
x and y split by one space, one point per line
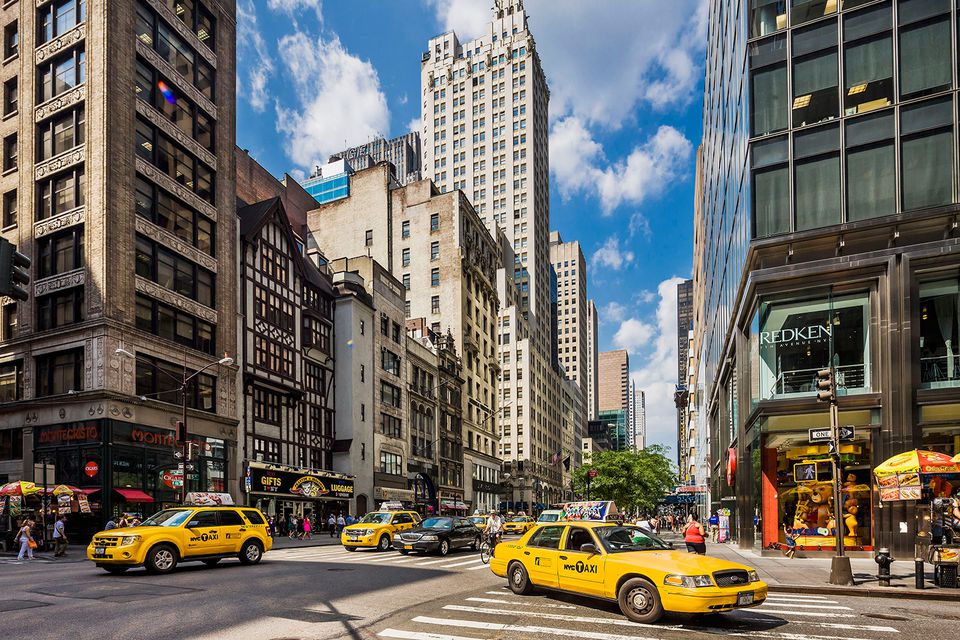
626 92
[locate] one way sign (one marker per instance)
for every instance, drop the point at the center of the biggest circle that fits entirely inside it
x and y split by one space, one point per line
823 435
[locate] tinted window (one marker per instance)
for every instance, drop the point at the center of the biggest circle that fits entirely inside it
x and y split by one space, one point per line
578 537
547 537
203 519
231 519
402 518
254 516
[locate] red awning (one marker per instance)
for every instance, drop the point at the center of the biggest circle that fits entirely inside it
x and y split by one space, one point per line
90 491
134 495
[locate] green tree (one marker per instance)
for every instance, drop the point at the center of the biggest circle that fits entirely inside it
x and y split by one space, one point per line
636 481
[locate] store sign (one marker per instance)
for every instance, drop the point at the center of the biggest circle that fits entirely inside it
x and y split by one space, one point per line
68 434
389 493
812 333
297 483
91 469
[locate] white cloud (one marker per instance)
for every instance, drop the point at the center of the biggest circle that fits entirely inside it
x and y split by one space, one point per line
579 166
414 125
634 335
610 255
293 7
467 18
613 312
341 103
646 296
657 373
254 55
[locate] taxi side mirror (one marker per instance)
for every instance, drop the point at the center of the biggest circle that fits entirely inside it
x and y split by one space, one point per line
588 548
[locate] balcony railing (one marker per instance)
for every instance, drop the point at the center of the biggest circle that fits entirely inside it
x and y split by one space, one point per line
940 371
801 381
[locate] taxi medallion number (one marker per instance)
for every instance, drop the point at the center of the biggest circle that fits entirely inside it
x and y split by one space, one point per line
744 598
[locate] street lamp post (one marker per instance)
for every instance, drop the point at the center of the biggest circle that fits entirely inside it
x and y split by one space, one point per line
184 382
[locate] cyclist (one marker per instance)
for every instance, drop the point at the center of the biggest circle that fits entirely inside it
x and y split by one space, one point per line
493 528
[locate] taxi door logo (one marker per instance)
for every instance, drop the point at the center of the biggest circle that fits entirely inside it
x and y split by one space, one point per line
580 567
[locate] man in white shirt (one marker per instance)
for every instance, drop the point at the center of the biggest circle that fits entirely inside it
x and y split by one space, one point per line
60 537
493 527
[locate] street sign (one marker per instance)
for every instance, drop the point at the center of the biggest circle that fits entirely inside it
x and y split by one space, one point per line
823 435
592 473
846 434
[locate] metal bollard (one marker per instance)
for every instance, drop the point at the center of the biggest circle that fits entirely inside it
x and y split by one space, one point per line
883 561
918 573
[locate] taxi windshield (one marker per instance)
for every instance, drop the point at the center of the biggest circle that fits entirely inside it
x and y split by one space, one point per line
376 518
437 523
549 517
623 539
518 519
168 518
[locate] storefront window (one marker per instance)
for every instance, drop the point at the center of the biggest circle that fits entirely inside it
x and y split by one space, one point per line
940 334
798 338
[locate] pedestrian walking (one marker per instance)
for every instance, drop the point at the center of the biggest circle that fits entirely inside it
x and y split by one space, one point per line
693 535
60 541
341 523
111 524
714 527
123 522
332 525
25 538
292 532
307 528
790 541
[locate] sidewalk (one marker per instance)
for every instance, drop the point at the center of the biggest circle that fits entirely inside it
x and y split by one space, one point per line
812 575
322 539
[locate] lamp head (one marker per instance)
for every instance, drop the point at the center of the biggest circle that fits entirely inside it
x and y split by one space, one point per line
123 352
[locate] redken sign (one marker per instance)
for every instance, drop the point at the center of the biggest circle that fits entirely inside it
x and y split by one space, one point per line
784 337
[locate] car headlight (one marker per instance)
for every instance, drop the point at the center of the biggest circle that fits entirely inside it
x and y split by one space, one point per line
429 538
753 576
688 582
396 536
367 532
128 540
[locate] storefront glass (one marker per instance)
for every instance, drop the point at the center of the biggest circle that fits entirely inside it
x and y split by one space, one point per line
940 428
795 339
940 334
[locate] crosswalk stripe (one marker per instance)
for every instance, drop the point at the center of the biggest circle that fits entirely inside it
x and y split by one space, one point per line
436 561
826 625
770 634
791 600
797 596
780 612
620 622
517 628
548 605
460 564
403 559
807 606
419 635
483 566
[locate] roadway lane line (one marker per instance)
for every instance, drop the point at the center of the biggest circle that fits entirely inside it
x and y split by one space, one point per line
797 596
560 617
807 606
483 566
791 600
803 613
436 561
403 559
419 635
518 628
826 625
526 604
461 564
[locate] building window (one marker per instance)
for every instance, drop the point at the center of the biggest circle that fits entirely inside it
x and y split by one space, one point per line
390 362
11 96
434 250
59 309
316 334
940 334
155 33
925 56
11 381
767 16
272 355
273 262
405 258
368 238
797 339
165 211
10 208
405 229
57 18
266 450
871 173
768 86
434 277
60 253
266 406
160 379
174 272
406 281
804 10
60 372
434 304
11 40
197 18
389 394
174 161
817 177
434 222
175 325
771 187
868 60
157 91
927 160
61 74
10 152
815 74
8 316
272 309
406 308
391 463
11 441
60 133
390 425
60 193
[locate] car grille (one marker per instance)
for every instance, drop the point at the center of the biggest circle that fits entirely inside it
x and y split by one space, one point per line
731 578
106 541
409 537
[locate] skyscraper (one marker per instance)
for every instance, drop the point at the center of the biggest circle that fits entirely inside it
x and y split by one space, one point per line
118 180
403 152
485 130
591 365
680 396
613 377
571 318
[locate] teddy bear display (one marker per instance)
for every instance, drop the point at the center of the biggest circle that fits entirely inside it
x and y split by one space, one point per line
850 504
850 519
821 497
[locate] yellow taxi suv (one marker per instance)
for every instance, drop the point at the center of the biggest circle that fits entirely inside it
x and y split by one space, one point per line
183 534
377 528
625 564
478 521
519 524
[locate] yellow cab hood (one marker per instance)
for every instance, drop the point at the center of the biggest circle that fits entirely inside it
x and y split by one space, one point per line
366 525
135 531
679 562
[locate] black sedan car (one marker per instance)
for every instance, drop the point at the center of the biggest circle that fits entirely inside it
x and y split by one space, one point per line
438 535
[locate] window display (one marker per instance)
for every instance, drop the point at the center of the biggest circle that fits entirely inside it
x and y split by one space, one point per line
796 339
940 334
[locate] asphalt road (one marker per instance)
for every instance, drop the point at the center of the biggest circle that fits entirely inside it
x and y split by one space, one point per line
325 592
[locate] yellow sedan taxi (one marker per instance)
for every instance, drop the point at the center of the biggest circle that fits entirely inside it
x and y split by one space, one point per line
183 534
625 564
519 524
376 529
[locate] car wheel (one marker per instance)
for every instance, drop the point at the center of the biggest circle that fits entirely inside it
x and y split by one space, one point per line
115 570
251 552
443 548
403 552
350 548
161 559
211 562
384 543
519 580
640 601
475 544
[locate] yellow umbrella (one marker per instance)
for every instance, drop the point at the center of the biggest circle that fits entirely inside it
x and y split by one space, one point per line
917 461
19 488
64 490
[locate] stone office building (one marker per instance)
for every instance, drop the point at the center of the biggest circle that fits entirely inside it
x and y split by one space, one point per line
116 114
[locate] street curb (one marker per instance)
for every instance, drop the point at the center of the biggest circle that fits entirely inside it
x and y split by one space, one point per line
934 593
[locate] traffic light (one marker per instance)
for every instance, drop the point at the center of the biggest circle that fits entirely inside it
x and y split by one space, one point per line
826 389
181 432
14 271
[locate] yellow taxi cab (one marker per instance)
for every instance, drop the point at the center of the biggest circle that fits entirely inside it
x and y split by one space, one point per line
376 529
183 534
625 564
478 521
519 524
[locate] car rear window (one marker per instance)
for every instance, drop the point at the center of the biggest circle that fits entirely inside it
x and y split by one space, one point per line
253 516
546 537
230 519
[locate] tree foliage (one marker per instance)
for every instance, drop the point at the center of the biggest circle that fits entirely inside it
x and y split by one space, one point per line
636 481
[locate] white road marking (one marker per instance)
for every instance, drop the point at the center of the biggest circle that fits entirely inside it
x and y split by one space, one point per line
460 564
516 628
620 622
796 596
806 606
437 561
806 601
828 625
483 566
403 559
419 635
526 604
802 613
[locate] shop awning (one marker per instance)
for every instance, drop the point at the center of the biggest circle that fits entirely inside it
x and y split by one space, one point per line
134 495
90 491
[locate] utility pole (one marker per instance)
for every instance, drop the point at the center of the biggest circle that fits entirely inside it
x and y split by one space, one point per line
840 570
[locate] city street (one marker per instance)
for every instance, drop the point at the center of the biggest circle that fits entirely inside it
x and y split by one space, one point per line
325 592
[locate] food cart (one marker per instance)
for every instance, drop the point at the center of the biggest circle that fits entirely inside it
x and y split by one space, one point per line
930 479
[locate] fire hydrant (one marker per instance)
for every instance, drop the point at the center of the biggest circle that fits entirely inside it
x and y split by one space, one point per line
884 561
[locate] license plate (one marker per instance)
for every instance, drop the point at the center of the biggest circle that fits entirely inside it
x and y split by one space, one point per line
353 538
100 551
744 598
408 546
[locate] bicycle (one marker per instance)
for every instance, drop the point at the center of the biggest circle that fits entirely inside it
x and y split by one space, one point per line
486 549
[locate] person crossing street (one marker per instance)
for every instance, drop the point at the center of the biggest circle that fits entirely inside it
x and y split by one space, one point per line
60 541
